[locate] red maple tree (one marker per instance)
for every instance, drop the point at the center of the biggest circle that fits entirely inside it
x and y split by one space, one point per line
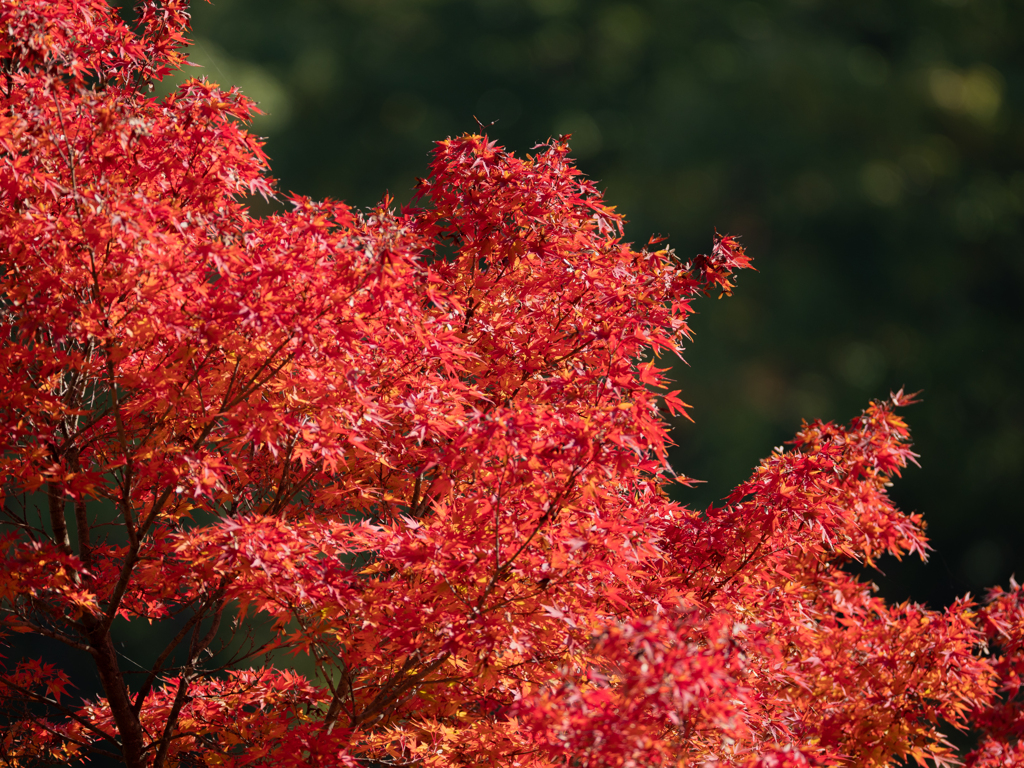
389 488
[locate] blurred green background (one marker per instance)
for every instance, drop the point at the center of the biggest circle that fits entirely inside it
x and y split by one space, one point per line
870 154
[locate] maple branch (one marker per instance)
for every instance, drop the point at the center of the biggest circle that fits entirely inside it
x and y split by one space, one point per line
70 160
89 745
158 665
260 650
45 632
192 378
743 564
65 711
391 689
254 384
97 417
285 472
131 557
158 505
57 501
231 381
339 692
282 498
125 481
126 477
77 385
425 498
82 524
497 531
172 718
415 500
196 647
552 510
19 522
112 680
455 592
497 519
543 586
574 351
469 313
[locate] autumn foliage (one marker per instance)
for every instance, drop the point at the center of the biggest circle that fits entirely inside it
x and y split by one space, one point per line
390 487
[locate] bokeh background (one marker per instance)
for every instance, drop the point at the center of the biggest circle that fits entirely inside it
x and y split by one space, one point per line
869 153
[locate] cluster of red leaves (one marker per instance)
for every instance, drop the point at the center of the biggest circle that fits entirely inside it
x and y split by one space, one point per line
423 453
1001 723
